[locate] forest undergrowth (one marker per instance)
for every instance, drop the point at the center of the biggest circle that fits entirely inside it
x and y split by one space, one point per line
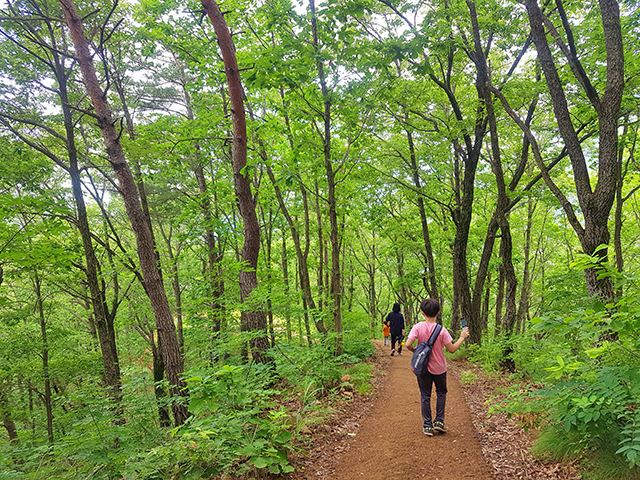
576 383
245 418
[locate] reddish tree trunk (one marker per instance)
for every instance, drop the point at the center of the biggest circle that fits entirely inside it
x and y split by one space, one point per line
253 317
139 222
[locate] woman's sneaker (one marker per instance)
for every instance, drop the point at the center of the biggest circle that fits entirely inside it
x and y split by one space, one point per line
439 427
428 431
393 352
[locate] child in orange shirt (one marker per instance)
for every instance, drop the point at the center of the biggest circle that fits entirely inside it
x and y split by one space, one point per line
385 333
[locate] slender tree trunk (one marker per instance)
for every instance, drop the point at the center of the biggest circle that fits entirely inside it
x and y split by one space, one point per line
252 316
102 320
485 304
523 304
499 298
321 259
503 205
335 285
215 252
373 296
7 419
432 286
47 398
268 243
301 255
175 285
144 238
285 278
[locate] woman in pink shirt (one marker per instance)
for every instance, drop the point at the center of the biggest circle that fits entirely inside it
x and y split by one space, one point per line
437 369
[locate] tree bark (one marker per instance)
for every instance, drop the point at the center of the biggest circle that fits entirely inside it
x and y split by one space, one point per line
595 204
139 222
46 398
336 275
7 419
252 315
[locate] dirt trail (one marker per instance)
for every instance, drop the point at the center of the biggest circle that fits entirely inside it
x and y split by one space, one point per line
390 444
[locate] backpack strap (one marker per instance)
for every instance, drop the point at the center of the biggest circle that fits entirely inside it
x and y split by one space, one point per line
434 335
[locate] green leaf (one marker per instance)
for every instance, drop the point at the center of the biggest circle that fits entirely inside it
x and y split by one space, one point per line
260 462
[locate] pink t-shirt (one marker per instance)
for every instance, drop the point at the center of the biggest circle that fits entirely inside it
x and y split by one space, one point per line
422 331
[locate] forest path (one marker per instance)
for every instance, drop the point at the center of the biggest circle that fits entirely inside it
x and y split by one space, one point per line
390 444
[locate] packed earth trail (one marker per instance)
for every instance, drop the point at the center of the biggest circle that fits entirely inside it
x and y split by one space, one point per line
378 436
391 445
386 442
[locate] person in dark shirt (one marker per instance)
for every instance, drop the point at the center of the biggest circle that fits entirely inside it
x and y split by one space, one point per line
395 321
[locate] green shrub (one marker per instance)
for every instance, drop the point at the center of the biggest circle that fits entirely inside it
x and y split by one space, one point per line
587 362
308 368
360 376
467 377
234 427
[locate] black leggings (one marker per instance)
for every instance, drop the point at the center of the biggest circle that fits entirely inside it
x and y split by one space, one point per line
394 339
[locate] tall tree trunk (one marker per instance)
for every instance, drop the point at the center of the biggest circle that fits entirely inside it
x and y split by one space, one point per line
103 320
139 222
373 296
301 255
499 297
46 398
252 316
321 259
285 278
215 252
523 304
595 204
432 286
503 203
174 274
7 419
267 248
332 203
485 304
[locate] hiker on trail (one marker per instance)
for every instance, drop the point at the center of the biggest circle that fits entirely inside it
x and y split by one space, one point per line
437 368
395 321
385 333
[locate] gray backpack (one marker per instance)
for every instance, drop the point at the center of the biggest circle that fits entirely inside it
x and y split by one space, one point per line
422 353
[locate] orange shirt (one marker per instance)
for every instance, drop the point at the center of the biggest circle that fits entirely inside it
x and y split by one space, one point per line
385 330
